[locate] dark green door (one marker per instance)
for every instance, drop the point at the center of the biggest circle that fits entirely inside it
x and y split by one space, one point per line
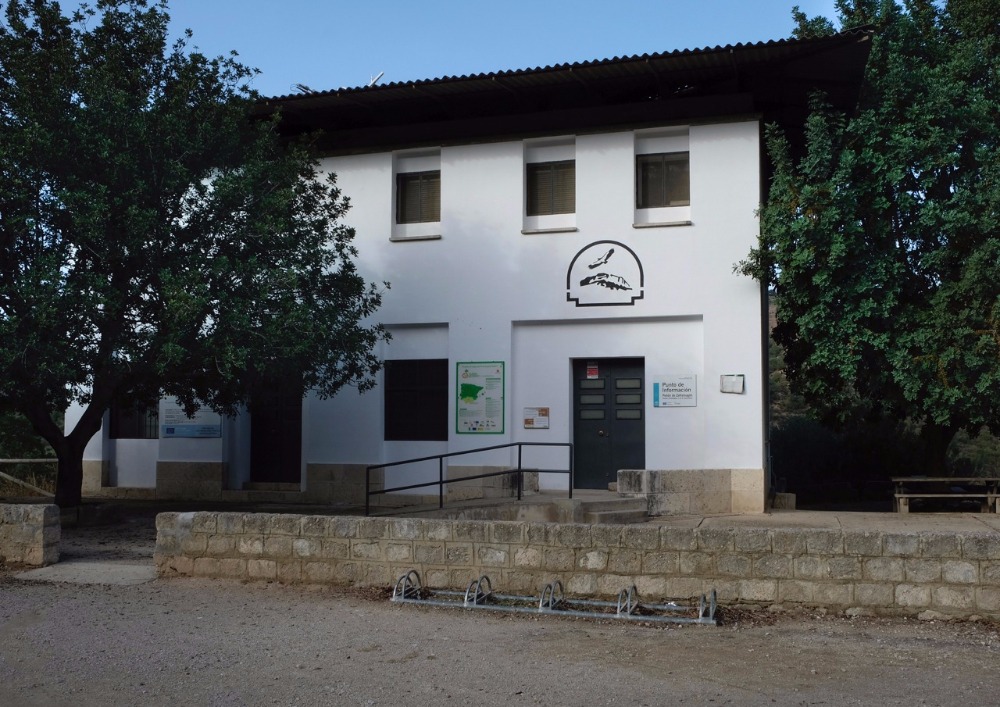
609 429
276 430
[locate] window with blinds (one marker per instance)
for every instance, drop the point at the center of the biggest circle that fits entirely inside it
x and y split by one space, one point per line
662 179
418 197
551 188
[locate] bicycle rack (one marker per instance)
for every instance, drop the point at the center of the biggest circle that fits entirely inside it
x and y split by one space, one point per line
480 595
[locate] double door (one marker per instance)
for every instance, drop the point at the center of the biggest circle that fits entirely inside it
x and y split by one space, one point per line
609 429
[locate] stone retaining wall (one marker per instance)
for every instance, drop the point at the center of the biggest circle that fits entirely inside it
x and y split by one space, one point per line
29 534
866 571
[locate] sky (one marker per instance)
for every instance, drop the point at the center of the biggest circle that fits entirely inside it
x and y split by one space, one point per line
329 44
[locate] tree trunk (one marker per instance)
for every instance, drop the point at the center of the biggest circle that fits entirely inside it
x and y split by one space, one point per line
69 449
69 479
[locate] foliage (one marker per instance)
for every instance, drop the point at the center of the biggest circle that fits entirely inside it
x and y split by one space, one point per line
879 234
154 238
19 441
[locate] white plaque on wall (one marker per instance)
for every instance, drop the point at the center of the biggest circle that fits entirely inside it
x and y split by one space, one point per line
674 391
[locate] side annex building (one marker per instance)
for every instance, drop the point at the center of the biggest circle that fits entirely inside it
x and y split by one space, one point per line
560 244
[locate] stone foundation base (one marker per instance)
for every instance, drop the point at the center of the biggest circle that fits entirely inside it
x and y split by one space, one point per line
190 481
696 491
340 483
96 476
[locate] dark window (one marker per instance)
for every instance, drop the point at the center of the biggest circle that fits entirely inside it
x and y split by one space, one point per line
418 197
662 179
551 188
416 400
134 421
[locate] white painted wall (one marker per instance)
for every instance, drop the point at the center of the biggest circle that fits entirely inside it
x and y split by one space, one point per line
503 293
482 291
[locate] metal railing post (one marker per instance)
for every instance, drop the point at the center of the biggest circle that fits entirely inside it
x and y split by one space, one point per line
520 473
368 491
571 479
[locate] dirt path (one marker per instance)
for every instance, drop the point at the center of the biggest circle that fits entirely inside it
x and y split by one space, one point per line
185 641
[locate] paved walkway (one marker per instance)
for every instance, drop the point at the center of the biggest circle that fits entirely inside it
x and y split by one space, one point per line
845 520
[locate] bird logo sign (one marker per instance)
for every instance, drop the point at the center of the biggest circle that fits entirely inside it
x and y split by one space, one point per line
604 274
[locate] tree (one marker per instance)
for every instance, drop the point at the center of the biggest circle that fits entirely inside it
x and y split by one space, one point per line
154 238
880 233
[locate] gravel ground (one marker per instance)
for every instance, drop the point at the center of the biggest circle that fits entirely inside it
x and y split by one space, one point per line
200 642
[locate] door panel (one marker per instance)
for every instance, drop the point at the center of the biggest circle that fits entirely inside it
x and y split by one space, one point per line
276 431
609 429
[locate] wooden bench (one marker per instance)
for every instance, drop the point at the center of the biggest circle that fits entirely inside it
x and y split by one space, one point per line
981 488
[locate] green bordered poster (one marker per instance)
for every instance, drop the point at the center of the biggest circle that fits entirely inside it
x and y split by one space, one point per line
480 406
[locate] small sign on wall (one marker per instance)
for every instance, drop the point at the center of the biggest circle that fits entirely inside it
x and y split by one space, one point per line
536 418
205 424
732 383
678 390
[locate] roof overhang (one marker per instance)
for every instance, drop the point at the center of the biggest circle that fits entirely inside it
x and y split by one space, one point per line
770 80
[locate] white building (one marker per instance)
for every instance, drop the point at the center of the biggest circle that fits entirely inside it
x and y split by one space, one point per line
560 245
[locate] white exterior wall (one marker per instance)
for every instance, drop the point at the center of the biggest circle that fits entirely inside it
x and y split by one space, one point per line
484 291
132 462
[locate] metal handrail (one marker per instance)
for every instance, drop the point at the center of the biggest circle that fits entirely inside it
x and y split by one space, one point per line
440 483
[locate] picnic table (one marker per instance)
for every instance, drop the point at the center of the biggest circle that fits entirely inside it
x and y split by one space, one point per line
985 489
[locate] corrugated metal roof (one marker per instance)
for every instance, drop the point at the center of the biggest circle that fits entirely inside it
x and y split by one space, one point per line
683 61
778 74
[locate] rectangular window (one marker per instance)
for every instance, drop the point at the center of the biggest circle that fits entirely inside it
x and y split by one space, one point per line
416 400
134 421
418 197
662 179
551 188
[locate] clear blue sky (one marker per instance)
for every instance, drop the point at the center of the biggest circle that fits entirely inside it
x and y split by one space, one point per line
327 44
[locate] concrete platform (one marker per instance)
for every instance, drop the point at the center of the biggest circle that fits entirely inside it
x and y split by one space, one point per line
844 520
89 572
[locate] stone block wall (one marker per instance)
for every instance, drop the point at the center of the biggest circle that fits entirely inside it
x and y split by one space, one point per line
877 572
29 534
699 491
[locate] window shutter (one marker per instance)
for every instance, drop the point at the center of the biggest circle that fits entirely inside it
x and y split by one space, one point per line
551 188
418 197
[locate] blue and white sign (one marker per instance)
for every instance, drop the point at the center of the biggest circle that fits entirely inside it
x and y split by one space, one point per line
204 424
675 391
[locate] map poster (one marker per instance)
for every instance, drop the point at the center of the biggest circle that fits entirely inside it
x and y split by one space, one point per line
480 406
205 424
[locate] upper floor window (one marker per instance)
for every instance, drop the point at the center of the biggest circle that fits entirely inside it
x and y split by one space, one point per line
551 188
418 197
549 185
662 179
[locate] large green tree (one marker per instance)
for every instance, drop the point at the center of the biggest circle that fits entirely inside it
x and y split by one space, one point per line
880 233
154 238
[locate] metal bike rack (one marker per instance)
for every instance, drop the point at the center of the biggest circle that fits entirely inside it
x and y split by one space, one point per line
480 595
